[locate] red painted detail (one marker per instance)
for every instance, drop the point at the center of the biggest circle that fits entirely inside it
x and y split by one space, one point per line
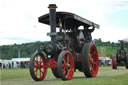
39 61
93 60
68 65
51 63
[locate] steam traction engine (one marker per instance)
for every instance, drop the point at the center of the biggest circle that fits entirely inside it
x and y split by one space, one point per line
69 49
120 57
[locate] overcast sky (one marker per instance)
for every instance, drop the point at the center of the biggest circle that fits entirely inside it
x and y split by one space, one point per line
19 18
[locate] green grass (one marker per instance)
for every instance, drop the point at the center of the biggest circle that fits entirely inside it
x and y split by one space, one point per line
7 74
106 76
108 50
14 73
116 78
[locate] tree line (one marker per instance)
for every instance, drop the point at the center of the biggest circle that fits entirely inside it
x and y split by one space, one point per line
99 42
11 51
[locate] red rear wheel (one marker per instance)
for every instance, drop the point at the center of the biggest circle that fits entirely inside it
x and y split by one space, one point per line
90 60
65 65
37 71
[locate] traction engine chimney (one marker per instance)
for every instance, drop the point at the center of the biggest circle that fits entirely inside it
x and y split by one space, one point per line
52 19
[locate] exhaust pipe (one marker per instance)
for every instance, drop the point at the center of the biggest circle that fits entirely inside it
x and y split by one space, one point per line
52 19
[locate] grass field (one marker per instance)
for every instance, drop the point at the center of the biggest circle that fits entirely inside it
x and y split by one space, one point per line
109 50
106 76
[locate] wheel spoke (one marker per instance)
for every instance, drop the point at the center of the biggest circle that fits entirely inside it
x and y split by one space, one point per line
94 63
36 70
64 65
64 62
36 62
35 66
68 58
94 53
64 71
68 71
92 70
40 73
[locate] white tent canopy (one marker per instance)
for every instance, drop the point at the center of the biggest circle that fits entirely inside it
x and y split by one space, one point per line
20 59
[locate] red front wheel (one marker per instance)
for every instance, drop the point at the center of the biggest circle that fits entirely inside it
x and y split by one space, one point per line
65 65
37 71
90 60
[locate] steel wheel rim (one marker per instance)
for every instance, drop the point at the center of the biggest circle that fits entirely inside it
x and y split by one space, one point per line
93 60
39 70
68 66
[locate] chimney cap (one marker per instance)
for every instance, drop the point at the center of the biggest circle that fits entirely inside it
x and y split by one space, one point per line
52 6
